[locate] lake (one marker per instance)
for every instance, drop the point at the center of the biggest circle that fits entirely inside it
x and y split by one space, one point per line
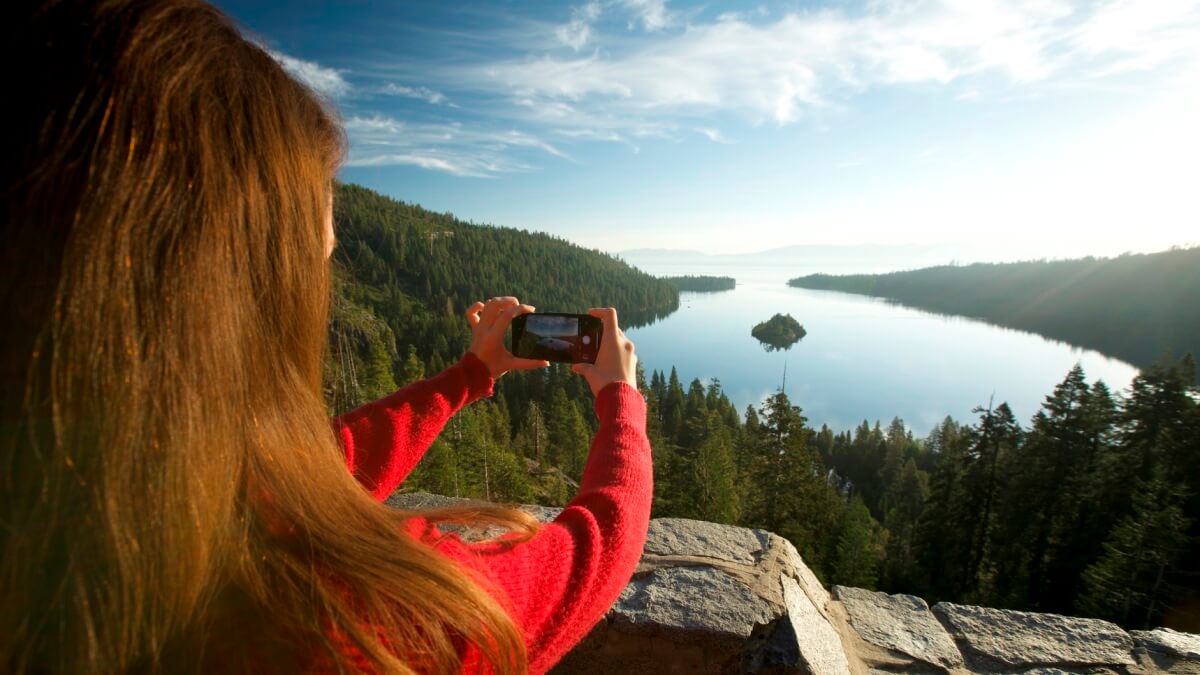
863 358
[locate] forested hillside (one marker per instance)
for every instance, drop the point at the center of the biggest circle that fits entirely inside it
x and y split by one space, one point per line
1138 308
403 277
1091 508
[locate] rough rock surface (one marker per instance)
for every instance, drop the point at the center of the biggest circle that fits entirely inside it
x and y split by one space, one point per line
993 638
900 624
699 600
1169 642
1168 651
681 536
820 647
709 598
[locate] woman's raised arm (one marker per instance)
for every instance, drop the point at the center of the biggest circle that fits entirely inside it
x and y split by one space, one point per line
385 439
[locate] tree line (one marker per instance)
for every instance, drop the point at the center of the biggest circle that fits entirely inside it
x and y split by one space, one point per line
1132 307
1090 509
404 275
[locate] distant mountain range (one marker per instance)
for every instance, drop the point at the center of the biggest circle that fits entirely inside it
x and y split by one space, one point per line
840 259
843 259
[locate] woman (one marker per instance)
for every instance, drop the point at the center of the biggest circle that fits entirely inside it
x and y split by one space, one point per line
172 496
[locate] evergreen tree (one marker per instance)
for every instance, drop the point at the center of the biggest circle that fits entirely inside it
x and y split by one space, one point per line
412 368
1130 583
568 436
943 530
996 436
906 498
856 555
714 476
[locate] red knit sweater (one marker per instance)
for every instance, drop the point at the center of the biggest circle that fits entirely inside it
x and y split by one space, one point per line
560 583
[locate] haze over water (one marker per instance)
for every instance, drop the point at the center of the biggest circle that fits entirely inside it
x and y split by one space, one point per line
863 358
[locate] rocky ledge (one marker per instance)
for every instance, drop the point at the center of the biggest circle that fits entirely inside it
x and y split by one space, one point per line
709 598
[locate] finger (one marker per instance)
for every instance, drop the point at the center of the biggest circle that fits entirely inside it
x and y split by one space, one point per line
526 364
496 305
608 317
581 368
472 313
506 317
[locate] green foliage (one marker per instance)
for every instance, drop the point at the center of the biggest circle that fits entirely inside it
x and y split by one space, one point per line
412 368
418 270
1093 509
779 332
1134 307
702 284
858 549
1131 582
362 351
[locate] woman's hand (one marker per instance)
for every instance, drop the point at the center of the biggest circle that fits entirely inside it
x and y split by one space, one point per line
615 361
489 322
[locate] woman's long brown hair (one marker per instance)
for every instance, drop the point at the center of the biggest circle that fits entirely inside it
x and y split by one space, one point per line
172 497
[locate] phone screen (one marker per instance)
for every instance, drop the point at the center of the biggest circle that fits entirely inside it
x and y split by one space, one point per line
569 338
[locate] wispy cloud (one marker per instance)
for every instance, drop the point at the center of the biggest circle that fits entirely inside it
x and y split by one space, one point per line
713 135
450 147
780 69
625 70
325 81
420 93
652 14
575 33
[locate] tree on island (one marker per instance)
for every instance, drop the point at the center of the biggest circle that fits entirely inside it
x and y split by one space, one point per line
779 332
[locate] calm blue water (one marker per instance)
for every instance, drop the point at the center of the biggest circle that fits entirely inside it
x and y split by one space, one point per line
862 358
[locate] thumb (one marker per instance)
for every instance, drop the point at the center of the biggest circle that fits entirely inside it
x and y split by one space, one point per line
581 368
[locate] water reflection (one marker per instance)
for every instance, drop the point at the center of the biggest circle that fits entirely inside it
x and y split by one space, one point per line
863 358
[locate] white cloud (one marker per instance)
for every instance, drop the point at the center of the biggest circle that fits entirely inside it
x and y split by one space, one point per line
1125 28
452 148
325 81
778 69
652 13
713 135
421 93
576 32
783 69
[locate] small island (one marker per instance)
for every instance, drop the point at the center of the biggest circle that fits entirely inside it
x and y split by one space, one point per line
779 332
702 284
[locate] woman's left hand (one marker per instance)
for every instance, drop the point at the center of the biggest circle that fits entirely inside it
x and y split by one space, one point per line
489 322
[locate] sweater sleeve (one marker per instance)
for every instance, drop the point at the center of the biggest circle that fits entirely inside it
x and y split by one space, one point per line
385 439
560 583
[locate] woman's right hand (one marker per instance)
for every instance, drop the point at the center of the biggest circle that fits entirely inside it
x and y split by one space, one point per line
615 362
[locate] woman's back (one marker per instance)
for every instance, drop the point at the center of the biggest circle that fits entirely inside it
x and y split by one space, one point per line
173 495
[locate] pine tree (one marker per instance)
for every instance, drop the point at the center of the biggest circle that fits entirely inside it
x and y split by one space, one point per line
1130 584
714 476
943 531
906 498
412 370
568 436
856 555
673 408
996 436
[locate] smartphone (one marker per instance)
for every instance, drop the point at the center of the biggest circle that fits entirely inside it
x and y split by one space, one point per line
566 338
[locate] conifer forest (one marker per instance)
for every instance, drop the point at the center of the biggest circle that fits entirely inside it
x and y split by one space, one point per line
1091 508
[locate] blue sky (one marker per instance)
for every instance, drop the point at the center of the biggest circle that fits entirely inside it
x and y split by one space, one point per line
1019 128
